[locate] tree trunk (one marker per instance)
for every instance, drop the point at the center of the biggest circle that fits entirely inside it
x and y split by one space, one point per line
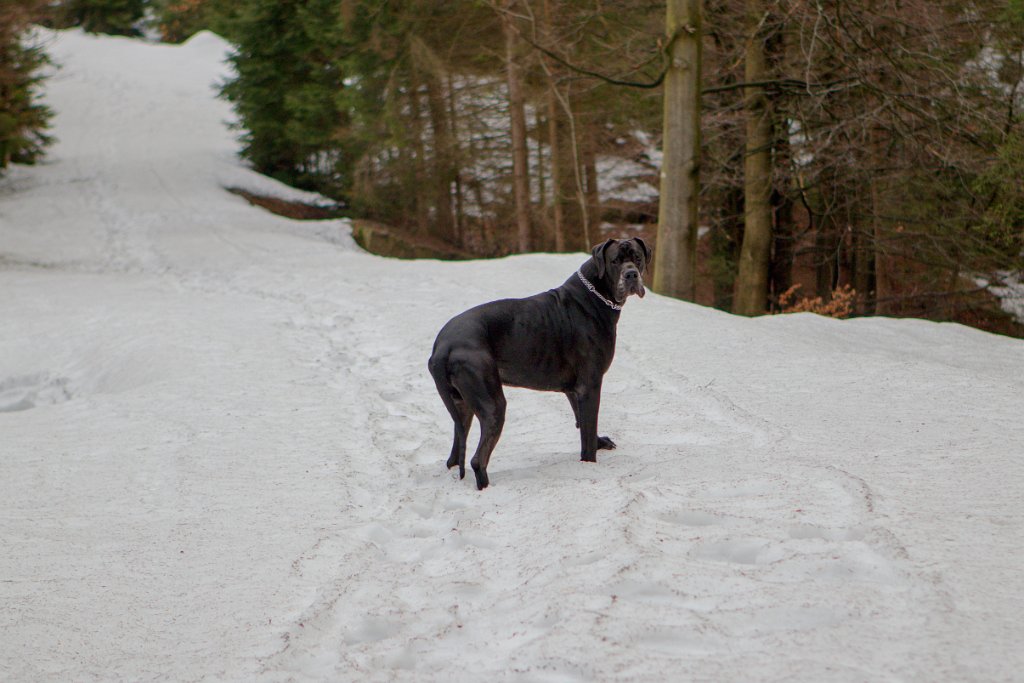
881 288
542 230
725 242
444 168
755 253
554 152
783 251
826 237
570 195
864 272
419 153
554 143
593 195
517 115
460 214
783 246
675 259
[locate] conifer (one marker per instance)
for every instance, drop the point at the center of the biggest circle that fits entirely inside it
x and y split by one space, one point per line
116 17
23 120
286 89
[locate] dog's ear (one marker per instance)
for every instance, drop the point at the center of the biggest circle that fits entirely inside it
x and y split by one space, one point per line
647 250
599 256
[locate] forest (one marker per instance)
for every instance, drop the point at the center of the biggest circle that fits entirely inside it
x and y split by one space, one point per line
850 158
223 453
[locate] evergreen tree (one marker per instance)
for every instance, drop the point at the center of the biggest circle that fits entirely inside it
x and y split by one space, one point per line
116 17
178 20
22 119
286 89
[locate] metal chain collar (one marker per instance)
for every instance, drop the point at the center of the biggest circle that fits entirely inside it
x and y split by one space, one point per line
586 283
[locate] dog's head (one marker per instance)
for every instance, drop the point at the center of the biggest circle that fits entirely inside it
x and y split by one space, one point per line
621 263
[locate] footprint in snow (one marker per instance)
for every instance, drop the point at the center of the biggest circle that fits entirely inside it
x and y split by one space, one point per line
22 392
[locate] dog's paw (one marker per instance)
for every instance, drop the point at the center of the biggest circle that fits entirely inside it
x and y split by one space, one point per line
604 443
454 462
482 480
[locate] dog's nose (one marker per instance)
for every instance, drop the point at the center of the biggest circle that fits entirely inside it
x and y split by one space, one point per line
632 274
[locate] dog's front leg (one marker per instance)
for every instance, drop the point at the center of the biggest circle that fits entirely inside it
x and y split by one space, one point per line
603 442
589 402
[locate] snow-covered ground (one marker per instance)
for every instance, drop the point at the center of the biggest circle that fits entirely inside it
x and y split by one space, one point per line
1009 288
222 458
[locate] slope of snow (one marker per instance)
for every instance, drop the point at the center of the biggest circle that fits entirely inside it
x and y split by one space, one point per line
223 458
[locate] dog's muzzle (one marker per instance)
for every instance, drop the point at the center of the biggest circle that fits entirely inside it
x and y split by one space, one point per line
630 282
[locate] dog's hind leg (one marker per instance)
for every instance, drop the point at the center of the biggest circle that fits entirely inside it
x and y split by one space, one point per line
462 416
492 419
574 402
480 387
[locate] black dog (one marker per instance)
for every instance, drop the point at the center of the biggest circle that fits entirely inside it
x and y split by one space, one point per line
561 340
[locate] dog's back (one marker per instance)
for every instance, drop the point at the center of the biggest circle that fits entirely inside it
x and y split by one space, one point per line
527 354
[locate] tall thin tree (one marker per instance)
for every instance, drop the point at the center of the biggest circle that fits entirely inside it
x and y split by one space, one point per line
675 261
517 119
751 291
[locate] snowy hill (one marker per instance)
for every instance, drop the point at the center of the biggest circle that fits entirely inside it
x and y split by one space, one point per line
223 458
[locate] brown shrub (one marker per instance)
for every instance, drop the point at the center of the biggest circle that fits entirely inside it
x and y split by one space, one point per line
841 304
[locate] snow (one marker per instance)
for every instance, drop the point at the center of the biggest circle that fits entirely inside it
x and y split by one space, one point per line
223 458
1010 291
